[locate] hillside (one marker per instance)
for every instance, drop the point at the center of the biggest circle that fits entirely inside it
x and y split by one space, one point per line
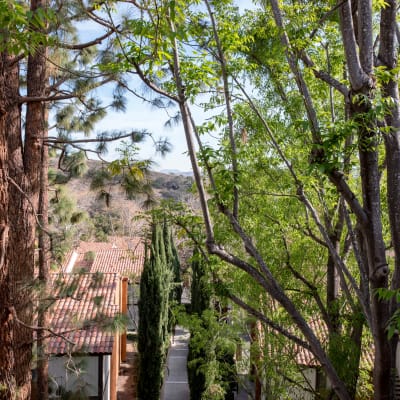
165 186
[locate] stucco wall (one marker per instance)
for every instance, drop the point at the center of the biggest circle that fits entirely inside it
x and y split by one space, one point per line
75 373
106 377
310 375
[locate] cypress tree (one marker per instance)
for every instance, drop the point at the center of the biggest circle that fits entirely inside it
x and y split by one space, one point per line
200 289
153 335
174 268
150 334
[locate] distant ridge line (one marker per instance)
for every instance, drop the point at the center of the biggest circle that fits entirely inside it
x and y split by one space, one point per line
176 172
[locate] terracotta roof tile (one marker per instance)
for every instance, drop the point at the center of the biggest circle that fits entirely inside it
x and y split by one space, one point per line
124 256
82 302
123 262
306 358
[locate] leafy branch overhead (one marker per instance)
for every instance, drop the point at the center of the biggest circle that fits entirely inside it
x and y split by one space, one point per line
305 111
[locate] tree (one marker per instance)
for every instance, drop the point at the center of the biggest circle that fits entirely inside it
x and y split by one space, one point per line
336 138
23 190
150 339
200 292
158 295
174 266
7 379
211 366
200 302
24 39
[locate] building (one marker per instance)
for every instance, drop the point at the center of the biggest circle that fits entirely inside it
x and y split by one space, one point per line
121 255
96 284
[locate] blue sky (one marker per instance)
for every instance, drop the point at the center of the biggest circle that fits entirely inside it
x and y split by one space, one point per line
141 115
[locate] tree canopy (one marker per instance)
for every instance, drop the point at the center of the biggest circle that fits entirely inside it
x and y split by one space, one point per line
296 156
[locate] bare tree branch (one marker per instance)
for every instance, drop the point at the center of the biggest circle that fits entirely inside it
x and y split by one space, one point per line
227 96
82 46
263 318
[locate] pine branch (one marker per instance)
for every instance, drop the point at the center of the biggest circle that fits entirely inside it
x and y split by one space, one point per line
13 312
55 97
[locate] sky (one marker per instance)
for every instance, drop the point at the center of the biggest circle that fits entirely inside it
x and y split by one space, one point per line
140 115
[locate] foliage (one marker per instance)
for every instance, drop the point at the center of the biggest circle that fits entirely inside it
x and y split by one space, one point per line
211 367
200 288
128 171
154 314
294 191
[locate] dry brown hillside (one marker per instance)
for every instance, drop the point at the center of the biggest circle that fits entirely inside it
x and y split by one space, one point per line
165 186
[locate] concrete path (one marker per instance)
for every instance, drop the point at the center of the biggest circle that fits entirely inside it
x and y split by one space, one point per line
176 385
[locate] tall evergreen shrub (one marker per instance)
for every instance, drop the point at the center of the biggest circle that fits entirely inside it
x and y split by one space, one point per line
150 334
158 290
211 366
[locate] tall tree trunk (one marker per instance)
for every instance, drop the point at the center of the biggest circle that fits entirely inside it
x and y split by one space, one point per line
7 381
358 46
44 268
377 265
35 163
388 55
20 252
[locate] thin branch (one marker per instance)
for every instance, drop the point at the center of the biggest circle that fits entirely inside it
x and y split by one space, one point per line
57 140
301 83
361 266
323 75
55 97
82 46
37 328
325 17
307 231
229 113
62 148
272 194
15 184
269 322
151 84
313 288
341 267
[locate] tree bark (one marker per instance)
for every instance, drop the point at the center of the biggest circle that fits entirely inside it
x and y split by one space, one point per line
36 167
20 253
44 271
7 381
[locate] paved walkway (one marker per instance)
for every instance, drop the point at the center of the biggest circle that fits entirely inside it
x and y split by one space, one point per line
176 385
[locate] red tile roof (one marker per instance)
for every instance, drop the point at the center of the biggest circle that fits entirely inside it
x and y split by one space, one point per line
123 262
123 255
84 302
306 358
